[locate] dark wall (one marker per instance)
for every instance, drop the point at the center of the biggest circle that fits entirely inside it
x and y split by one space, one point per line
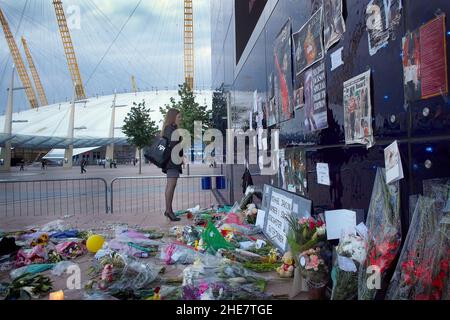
352 168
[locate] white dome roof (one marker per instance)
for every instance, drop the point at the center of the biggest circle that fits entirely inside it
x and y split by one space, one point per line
47 127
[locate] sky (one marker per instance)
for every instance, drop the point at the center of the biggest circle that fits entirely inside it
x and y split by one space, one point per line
150 46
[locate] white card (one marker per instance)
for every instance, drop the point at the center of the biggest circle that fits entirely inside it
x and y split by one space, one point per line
346 264
339 221
323 174
336 59
362 230
393 163
260 243
260 218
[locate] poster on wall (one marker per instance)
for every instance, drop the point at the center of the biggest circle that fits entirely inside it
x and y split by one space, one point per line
382 17
282 168
424 61
308 43
315 91
358 111
299 100
295 170
334 24
283 67
393 163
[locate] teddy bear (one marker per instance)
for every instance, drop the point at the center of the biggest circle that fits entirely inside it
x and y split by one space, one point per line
287 269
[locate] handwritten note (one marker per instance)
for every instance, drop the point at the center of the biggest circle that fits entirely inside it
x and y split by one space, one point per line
338 222
323 174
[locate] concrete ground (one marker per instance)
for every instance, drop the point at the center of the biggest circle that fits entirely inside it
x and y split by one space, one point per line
103 223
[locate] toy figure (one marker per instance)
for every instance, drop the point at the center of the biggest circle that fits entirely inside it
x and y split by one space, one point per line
287 269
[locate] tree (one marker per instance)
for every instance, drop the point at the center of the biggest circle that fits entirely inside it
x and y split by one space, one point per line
139 128
190 110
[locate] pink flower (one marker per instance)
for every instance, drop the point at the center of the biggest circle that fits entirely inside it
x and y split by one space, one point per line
314 262
203 287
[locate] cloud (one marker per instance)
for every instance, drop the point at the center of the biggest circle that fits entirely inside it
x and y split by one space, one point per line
150 47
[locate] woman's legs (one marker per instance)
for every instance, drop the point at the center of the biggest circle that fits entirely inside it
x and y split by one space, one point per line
170 191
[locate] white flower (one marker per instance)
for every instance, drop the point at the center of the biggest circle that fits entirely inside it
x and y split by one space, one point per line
321 230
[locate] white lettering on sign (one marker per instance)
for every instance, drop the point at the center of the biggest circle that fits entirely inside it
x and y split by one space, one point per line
277 227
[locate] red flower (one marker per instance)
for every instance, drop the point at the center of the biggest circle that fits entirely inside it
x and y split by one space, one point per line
437 283
319 223
408 265
312 225
408 279
444 265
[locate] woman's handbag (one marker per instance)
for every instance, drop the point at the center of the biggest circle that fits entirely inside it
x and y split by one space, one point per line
158 152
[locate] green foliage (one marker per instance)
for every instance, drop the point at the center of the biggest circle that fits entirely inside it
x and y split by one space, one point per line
28 286
191 111
139 128
262 266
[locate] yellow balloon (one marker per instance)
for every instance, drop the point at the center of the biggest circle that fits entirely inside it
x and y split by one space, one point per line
94 243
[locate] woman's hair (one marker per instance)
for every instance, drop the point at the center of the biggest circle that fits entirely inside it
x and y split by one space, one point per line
170 118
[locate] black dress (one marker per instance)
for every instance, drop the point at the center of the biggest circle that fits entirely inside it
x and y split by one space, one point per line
168 135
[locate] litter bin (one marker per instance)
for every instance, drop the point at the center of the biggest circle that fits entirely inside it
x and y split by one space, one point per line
220 183
206 183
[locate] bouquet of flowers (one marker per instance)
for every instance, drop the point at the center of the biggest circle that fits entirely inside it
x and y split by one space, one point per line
304 234
29 286
313 267
384 237
422 271
351 253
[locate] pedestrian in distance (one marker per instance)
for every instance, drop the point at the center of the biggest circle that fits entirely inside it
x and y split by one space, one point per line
83 165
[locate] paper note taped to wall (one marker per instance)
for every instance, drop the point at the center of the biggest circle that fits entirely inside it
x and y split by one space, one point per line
336 59
339 222
323 174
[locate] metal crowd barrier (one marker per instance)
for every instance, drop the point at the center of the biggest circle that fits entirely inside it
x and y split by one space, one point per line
147 194
23 198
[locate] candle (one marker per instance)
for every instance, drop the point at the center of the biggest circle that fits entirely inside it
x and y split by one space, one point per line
58 295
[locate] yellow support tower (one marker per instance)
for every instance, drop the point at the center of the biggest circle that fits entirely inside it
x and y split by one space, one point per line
21 70
189 44
35 74
69 50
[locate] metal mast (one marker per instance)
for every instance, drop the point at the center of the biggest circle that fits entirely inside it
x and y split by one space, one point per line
189 44
35 74
21 70
69 50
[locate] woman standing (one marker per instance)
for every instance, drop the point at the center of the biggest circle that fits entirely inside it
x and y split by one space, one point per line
171 169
